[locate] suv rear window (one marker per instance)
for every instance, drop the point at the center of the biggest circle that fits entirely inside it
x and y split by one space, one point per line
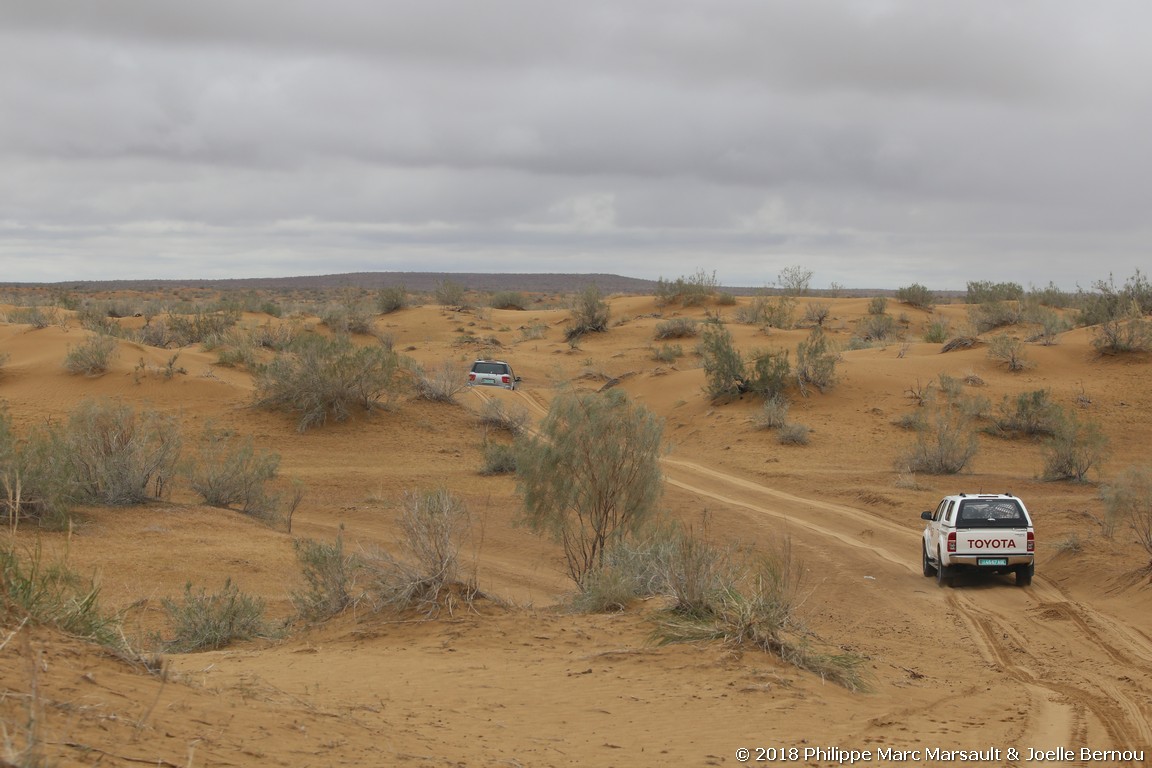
496 368
990 513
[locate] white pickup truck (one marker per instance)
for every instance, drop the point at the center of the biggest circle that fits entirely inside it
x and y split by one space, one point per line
979 532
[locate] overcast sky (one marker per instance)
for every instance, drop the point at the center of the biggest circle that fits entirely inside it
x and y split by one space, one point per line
876 143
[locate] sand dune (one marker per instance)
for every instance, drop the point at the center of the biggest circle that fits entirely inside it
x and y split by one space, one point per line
517 681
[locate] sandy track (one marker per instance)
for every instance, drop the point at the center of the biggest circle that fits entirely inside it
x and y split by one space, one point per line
1083 675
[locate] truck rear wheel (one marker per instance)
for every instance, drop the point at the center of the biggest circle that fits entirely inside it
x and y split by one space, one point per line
929 569
943 572
1024 574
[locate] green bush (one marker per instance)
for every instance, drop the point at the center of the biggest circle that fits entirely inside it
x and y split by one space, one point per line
792 434
92 357
723 364
677 328
667 353
769 375
199 326
946 444
993 314
878 305
391 299
1129 498
592 475
499 459
877 328
916 295
36 476
119 456
327 378
205 622
507 300
1030 413
36 316
1123 336
816 362
1010 351
233 474
51 594
937 330
451 294
589 314
329 574
687 291
1073 449
985 291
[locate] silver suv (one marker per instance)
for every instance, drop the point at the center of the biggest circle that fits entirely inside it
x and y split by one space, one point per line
492 373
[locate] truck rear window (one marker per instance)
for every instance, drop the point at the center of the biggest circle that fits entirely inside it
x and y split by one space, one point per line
991 513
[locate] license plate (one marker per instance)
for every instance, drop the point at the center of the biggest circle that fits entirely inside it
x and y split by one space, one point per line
487 381
992 561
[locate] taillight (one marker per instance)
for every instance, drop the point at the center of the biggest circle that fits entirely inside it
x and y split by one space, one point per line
471 377
505 379
1031 542
952 541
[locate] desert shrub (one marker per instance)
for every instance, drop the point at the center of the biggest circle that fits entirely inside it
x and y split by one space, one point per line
347 318
667 353
769 373
391 299
877 327
426 573
511 419
878 305
1120 336
154 333
1008 350
780 313
499 459
36 476
199 326
1107 302
993 314
1030 413
689 291
677 328
936 331
329 575
1128 498
1050 296
792 434
756 610
119 456
723 363
450 294
507 300
234 474
916 295
53 595
440 386
589 314
1051 324
1073 449
205 622
774 413
327 378
753 312
592 475
816 362
817 313
985 291
36 316
91 357
725 299
276 337
946 444
794 280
